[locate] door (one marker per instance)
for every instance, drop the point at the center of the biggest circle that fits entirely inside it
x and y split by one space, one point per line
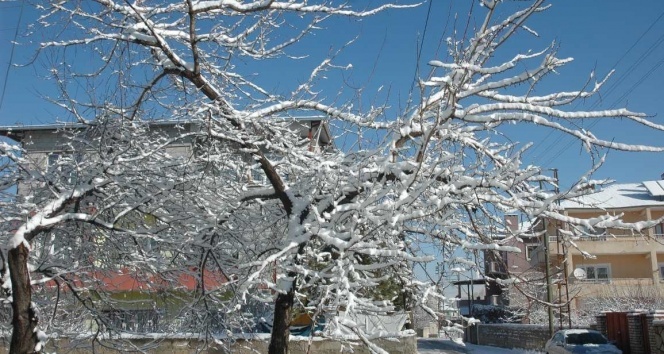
617 330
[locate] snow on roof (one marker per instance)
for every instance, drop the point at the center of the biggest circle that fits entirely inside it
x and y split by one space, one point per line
16 132
655 188
77 125
4 129
626 195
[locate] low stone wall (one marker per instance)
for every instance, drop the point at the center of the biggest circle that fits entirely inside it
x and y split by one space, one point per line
405 345
507 335
657 337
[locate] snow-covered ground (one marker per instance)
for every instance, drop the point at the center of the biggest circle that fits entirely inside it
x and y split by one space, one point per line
440 346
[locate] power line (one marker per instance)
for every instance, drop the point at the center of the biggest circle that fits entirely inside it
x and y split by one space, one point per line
638 83
613 87
420 46
11 54
633 67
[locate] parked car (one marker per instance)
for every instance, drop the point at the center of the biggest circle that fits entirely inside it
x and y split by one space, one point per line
579 341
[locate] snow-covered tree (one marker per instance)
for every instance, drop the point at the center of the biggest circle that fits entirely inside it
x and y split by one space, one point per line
319 229
79 215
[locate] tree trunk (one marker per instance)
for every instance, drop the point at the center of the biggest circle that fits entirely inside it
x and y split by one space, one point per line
283 307
24 321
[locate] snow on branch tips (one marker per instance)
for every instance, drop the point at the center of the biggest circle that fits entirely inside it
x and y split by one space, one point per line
189 178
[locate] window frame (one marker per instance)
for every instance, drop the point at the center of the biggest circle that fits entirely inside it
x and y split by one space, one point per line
658 233
52 164
595 272
530 242
530 252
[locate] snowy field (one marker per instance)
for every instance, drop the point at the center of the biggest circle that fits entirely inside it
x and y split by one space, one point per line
438 346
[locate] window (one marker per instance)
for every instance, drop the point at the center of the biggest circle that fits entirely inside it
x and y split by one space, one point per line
136 321
52 161
659 230
61 160
585 338
257 175
530 249
64 165
558 338
538 226
661 272
531 244
597 272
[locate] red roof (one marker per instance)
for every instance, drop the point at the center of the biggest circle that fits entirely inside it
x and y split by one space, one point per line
136 280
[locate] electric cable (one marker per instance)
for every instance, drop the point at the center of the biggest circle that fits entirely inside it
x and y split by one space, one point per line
11 55
612 88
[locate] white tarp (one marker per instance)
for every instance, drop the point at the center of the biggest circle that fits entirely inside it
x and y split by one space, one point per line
372 326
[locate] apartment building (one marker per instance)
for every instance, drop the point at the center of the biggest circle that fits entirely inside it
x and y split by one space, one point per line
607 262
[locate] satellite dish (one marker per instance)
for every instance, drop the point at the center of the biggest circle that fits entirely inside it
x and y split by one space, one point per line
580 273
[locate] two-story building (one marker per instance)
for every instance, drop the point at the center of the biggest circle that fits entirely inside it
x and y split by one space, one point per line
613 262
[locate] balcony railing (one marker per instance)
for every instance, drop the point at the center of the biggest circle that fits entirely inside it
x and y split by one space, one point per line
616 281
610 243
609 236
596 281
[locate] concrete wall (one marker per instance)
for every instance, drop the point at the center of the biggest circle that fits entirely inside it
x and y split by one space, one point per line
508 335
430 330
405 345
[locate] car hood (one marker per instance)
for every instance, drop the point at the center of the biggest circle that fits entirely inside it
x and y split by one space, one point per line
593 349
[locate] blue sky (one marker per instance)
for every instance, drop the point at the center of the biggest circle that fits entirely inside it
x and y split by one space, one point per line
598 33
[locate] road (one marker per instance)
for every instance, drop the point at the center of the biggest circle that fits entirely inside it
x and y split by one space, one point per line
441 346
437 346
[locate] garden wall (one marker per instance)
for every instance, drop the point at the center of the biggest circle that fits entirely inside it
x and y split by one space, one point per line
508 335
405 345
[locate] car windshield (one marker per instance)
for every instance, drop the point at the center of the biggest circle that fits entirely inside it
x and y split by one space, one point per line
585 338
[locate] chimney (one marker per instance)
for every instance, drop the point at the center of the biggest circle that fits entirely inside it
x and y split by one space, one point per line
661 176
512 222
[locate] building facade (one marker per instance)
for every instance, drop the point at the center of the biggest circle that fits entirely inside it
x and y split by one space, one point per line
607 262
133 300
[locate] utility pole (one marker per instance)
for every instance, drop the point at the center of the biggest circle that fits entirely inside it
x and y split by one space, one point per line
547 275
564 263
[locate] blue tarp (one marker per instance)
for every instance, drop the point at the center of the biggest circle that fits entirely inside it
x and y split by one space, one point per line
264 327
